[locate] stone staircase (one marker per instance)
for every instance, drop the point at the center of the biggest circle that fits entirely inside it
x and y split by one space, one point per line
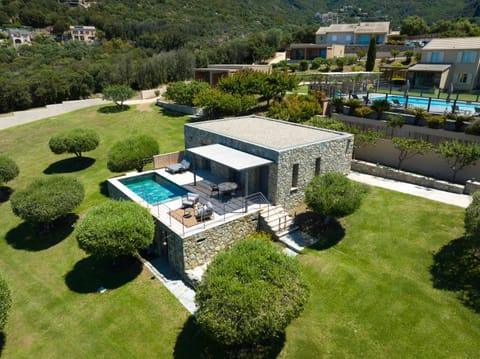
277 221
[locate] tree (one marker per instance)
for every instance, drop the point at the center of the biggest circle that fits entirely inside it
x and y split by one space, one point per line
333 195
8 169
217 103
295 108
250 294
363 138
394 53
118 94
129 153
413 25
360 54
5 303
472 217
74 141
183 92
395 121
409 54
410 147
371 55
115 228
47 199
459 154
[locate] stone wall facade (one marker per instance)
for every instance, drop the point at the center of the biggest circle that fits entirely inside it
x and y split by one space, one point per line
335 156
200 248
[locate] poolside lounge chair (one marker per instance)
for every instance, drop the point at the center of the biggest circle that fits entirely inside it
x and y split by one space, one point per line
190 200
204 212
178 167
477 111
355 97
396 103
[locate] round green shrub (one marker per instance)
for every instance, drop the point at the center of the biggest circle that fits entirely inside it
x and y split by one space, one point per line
472 216
363 111
129 154
115 228
47 199
74 141
333 195
250 294
473 128
435 121
5 303
8 169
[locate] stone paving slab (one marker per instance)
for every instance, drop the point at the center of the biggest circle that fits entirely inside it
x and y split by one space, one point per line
297 241
172 281
454 199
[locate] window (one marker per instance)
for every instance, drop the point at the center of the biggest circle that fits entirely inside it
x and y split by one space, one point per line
348 38
318 162
436 57
464 78
334 38
467 57
295 175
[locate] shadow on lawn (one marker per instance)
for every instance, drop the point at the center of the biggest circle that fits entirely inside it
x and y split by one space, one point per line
91 273
170 113
5 193
113 109
193 343
68 165
314 225
103 188
30 237
3 340
456 267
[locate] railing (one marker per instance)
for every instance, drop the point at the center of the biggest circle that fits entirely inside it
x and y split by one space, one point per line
257 198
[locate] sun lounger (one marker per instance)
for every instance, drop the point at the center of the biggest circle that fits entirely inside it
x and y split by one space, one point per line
178 167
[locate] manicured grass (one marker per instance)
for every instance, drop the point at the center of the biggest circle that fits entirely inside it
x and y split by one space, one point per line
56 310
371 293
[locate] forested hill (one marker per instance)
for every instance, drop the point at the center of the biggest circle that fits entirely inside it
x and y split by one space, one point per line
222 18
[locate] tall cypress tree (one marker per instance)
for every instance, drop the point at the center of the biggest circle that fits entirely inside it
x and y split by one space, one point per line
371 55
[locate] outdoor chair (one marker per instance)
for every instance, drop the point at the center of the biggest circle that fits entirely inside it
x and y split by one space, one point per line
178 167
204 212
477 111
190 200
396 103
355 97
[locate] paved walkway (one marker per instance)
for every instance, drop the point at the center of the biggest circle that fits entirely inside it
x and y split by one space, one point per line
22 117
460 200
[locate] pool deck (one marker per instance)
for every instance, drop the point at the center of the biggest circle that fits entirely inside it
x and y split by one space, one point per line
226 208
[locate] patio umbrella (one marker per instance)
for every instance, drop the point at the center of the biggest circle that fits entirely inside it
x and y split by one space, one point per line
407 87
450 90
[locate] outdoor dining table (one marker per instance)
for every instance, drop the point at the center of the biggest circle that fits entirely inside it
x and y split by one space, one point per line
227 187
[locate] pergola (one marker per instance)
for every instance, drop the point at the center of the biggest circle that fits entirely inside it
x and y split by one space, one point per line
359 77
229 157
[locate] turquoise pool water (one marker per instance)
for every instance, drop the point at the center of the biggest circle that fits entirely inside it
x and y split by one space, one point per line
153 188
437 105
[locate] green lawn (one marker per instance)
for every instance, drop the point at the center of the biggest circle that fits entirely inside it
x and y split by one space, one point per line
371 293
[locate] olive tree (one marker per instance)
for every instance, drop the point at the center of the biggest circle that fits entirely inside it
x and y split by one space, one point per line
118 94
47 199
410 147
74 141
183 92
5 303
8 169
115 228
333 195
249 294
459 155
129 153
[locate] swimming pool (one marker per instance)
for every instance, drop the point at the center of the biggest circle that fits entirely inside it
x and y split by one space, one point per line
153 188
436 105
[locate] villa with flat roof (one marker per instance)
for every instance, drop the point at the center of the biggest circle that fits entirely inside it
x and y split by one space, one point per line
249 170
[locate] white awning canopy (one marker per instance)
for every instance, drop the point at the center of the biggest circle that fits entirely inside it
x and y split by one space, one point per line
229 157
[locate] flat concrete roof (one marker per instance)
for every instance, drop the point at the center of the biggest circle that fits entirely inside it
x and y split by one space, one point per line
268 132
229 157
430 67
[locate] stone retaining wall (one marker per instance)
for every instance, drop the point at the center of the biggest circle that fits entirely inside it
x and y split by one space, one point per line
472 186
391 173
189 110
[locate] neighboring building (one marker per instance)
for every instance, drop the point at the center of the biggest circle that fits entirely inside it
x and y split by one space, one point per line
448 62
82 33
19 37
270 162
353 34
311 51
76 3
213 73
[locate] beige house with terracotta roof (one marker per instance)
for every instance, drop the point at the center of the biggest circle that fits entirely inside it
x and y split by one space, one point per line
353 34
448 62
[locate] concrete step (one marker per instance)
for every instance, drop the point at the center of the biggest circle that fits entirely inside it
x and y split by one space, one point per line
280 227
297 241
271 211
290 229
282 217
